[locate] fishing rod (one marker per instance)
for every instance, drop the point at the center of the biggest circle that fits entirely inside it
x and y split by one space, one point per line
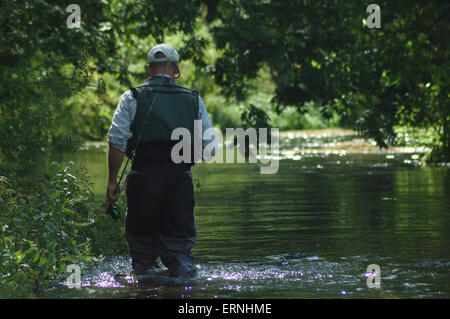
113 210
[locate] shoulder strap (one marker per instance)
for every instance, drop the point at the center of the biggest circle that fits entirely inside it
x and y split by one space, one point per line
134 93
197 102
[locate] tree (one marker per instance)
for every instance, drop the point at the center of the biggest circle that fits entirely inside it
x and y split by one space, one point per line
43 62
322 51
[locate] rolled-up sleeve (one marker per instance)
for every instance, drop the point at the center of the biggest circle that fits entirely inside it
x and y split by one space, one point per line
119 132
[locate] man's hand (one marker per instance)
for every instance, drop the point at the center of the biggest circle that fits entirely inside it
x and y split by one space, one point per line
111 193
115 158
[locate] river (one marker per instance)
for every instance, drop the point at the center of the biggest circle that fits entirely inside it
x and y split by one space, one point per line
336 205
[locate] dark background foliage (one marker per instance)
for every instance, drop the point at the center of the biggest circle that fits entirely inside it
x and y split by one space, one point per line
59 87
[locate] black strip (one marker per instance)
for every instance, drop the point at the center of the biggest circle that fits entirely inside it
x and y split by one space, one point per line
165 86
171 92
134 93
197 101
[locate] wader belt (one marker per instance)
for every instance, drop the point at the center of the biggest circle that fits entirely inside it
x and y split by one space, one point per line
157 151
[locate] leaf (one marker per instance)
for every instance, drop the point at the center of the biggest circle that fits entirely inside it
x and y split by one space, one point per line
36 257
51 246
42 261
68 211
19 256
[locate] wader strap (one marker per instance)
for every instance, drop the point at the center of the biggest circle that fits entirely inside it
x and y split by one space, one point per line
134 93
197 101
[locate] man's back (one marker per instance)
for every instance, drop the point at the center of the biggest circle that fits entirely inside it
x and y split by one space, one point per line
160 220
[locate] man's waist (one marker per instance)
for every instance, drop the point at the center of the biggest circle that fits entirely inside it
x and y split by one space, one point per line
142 166
156 152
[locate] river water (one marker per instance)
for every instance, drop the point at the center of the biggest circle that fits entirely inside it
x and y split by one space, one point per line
309 231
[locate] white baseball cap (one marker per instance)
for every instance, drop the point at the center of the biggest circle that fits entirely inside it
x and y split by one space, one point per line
169 52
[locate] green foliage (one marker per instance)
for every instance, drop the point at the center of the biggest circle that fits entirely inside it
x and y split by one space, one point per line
230 113
32 115
287 64
43 229
43 63
321 51
311 52
106 234
46 227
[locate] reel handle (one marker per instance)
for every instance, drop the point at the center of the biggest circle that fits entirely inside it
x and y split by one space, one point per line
113 211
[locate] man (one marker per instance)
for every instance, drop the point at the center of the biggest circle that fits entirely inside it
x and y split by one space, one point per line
160 219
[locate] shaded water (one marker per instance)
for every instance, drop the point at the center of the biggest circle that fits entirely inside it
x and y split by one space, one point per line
311 230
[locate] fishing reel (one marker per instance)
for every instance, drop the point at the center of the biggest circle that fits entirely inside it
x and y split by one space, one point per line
113 211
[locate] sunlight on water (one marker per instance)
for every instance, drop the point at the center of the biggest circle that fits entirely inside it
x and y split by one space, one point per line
337 205
280 276
238 279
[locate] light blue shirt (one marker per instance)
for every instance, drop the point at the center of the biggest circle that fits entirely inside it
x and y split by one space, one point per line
119 132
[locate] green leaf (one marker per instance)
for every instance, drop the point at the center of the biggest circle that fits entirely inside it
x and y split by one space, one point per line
36 257
68 211
42 261
19 256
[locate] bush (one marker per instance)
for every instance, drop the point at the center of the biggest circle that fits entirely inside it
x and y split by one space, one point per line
43 228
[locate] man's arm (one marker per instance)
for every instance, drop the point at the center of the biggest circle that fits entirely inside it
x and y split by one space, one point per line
207 139
115 158
118 134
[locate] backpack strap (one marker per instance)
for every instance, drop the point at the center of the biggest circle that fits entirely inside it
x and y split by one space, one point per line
134 93
197 101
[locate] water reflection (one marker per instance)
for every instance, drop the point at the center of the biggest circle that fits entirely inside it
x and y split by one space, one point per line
310 230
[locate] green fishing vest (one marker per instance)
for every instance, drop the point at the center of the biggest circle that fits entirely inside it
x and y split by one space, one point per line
175 106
